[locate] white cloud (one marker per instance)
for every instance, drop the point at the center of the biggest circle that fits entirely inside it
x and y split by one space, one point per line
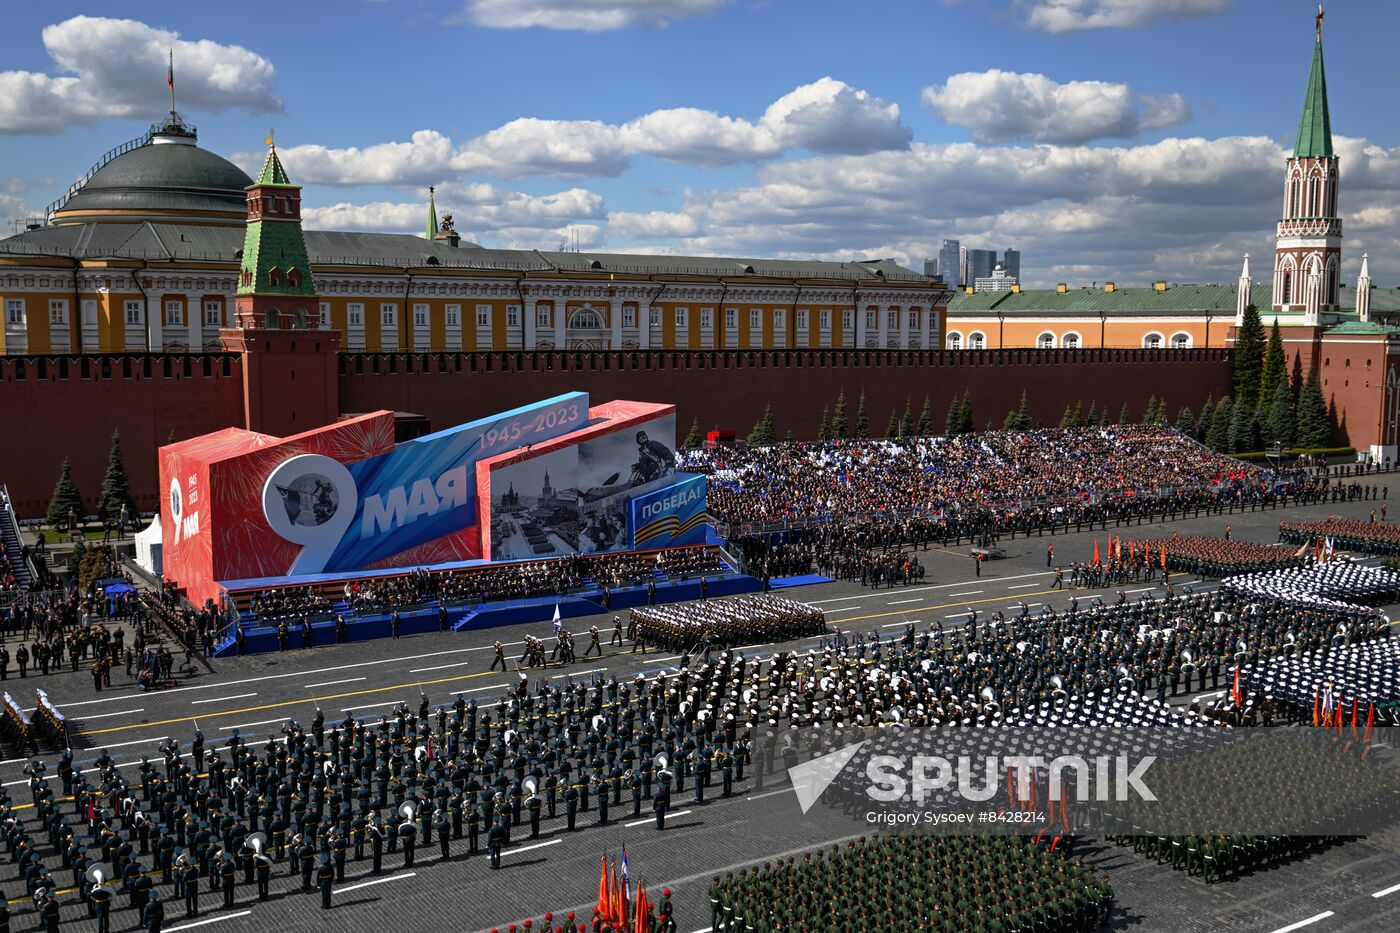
651 225
116 68
1072 15
1000 106
825 116
587 15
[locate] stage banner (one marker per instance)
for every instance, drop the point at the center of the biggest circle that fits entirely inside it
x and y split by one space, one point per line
350 516
671 516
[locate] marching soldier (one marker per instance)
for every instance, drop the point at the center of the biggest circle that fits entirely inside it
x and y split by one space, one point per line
325 877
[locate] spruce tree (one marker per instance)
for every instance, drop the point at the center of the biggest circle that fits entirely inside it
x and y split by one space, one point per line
1092 419
1311 429
1161 412
1023 414
862 426
170 438
692 437
1203 423
762 433
925 426
838 427
1278 426
967 426
1241 430
1125 416
116 488
824 428
1218 437
1249 359
1149 415
787 437
952 422
1067 419
892 429
1010 421
1186 421
66 498
906 423
1275 369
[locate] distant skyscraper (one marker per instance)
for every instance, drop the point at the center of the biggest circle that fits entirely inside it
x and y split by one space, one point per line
950 263
980 263
963 270
1012 264
931 267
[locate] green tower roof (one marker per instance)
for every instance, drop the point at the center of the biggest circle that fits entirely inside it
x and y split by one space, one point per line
272 172
1315 129
275 245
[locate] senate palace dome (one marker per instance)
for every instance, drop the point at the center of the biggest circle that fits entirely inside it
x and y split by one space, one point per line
163 176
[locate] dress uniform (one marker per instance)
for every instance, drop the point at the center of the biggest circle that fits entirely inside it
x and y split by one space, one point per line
325 877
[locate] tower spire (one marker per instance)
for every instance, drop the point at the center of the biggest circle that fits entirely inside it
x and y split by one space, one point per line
432 216
1315 128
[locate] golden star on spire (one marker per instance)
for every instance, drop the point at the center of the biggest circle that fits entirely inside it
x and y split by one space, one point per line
268 140
1320 14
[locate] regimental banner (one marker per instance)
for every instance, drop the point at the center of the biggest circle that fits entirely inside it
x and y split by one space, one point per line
671 516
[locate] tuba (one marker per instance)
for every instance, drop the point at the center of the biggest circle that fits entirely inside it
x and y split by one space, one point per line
1126 682
258 843
408 810
1188 663
100 874
990 706
531 787
661 762
1058 694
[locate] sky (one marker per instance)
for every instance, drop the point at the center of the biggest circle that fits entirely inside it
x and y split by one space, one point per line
1107 140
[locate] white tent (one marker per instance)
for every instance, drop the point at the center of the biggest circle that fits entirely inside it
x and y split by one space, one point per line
148 548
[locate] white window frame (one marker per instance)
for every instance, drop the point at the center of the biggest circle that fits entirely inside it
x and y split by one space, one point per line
801 318
134 312
544 315
756 319
954 340
707 317
512 315
824 319
870 324
388 315
177 319
1180 341
913 320
1072 341
452 315
848 320
1153 341
780 318
1045 341
355 314
323 315
654 317
14 312
421 314
58 311
214 313
977 340
629 316
483 315
682 317
731 318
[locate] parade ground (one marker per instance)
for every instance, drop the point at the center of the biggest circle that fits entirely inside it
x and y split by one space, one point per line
1353 886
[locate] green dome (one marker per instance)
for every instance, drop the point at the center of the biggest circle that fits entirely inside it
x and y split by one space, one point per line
168 175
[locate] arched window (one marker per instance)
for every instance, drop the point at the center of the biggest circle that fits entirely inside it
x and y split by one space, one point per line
954 340
977 340
1071 341
1292 210
273 319
1315 197
1152 342
300 319
1181 341
586 318
1045 342
1286 292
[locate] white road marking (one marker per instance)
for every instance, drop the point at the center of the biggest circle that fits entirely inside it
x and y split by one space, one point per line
968 593
238 696
366 884
1141 590
440 667
640 823
897 602
771 793
346 709
1022 586
125 712
331 683
1303 923
249 725
593 670
1384 891
839 599
842 609
538 845
200 923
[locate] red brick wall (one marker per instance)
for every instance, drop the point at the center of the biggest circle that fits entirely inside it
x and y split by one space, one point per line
57 406
729 389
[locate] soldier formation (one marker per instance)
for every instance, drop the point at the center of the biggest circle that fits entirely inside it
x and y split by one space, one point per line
1345 534
1206 556
726 622
1340 581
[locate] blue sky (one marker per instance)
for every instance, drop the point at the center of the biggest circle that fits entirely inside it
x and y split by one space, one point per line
1106 139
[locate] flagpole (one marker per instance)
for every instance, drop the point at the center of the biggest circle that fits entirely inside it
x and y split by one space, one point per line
170 79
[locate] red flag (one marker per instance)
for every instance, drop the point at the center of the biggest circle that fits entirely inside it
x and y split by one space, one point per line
1011 787
1235 690
642 924
1355 713
1370 722
1163 550
1317 709
603 895
1096 551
